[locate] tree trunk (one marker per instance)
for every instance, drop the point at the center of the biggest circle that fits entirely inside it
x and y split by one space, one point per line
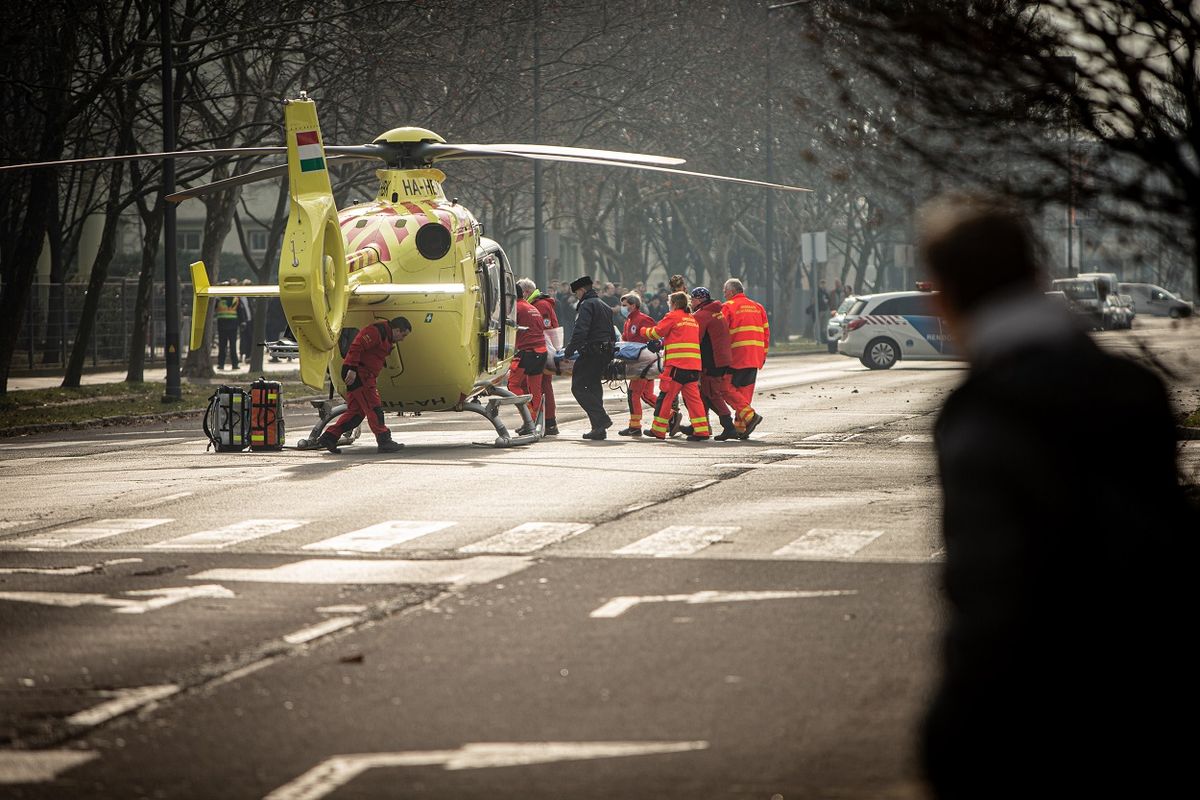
218 221
91 301
52 351
153 221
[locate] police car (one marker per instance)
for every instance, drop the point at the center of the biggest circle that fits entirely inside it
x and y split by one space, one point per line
881 329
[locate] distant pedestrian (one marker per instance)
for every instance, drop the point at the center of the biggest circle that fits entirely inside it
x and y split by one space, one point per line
592 338
229 314
1064 662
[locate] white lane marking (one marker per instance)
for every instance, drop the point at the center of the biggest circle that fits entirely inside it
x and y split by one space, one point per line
82 534
39 766
124 701
479 569
828 543
914 438
637 507
159 598
677 540
830 438
320 629
333 773
55 445
241 672
167 499
619 605
5 524
812 451
86 569
379 537
702 484
238 532
341 609
528 537
751 465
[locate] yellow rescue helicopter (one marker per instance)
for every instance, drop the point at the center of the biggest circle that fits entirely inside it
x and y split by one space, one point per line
410 252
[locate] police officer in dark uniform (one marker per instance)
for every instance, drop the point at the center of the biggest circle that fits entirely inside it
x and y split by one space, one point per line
592 338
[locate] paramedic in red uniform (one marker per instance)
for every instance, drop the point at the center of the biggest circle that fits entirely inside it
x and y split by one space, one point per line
716 356
360 369
749 333
545 306
529 358
641 390
680 337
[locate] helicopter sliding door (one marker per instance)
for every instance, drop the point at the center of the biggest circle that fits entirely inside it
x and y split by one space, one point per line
490 274
508 302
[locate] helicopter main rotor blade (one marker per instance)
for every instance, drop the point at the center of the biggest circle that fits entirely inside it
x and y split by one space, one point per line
493 153
435 152
277 171
228 151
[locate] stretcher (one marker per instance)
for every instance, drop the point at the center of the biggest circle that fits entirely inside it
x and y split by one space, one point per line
631 361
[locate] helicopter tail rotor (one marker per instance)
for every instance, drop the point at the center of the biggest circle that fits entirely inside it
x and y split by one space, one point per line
312 264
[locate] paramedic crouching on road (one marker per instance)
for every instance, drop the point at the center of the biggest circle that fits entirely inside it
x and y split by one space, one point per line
360 369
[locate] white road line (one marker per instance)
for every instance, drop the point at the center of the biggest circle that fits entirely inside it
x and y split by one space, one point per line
479 569
815 451
828 543
82 534
320 629
341 609
238 532
159 598
757 465
379 537
619 605
702 484
6 524
528 537
637 507
126 700
914 438
167 499
830 438
86 569
677 540
333 773
39 766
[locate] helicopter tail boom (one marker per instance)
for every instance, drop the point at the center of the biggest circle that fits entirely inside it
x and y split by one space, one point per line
204 290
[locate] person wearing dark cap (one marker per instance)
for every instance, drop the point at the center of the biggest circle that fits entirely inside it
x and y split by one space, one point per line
360 369
592 338
1064 659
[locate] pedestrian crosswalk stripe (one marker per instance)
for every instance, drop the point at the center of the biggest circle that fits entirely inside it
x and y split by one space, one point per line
677 540
238 532
82 534
457 572
828 543
528 537
379 537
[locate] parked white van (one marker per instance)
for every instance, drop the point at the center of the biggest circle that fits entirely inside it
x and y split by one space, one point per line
1156 301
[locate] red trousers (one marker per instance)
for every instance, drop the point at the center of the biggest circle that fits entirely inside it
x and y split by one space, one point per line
362 403
742 388
639 391
521 382
669 389
717 393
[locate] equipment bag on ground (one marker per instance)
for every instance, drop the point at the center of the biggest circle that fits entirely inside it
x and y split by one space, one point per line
266 415
227 420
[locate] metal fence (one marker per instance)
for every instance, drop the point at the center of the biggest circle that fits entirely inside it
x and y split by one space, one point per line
52 318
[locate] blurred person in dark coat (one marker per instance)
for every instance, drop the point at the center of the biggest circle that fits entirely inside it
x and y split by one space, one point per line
1063 666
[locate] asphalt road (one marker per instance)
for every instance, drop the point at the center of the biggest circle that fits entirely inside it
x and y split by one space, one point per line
620 619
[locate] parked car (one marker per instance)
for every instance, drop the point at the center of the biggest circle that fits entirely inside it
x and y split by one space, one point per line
1128 313
881 329
833 330
1087 300
1114 313
1155 301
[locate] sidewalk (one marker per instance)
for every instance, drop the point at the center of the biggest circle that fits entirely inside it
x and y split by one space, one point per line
159 375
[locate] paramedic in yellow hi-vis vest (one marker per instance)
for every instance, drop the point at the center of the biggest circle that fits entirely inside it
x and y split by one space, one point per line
680 337
749 333
228 315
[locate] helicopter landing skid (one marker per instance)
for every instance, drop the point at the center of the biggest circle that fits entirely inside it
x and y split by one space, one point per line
488 407
329 411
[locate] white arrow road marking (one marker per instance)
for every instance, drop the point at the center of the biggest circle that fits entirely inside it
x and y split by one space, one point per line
39 766
333 773
81 534
124 701
677 540
528 537
828 543
160 598
379 537
619 605
238 532
480 569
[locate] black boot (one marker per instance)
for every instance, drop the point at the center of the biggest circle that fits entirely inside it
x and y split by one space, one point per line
329 442
551 428
728 431
596 434
630 432
387 444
